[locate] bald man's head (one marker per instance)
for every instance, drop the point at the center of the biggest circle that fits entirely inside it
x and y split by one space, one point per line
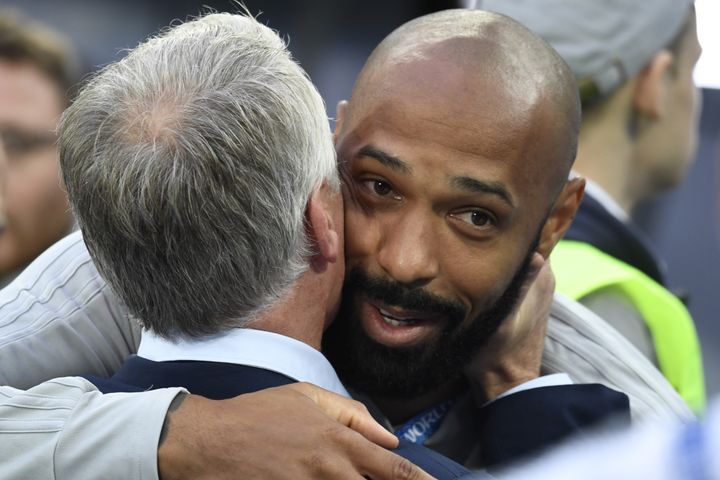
455 149
497 56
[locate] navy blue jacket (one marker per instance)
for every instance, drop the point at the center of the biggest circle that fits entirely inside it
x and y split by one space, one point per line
509 428
594 225
225 380
528 422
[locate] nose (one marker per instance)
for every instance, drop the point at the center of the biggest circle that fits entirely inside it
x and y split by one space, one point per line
407 249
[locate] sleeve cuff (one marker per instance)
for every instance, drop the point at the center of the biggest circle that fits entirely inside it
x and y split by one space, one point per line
553 380
114 435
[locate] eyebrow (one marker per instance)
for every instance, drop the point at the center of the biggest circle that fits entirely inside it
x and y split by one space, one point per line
468 184
385 158
473 185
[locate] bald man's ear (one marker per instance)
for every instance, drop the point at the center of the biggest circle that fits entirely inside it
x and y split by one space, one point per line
339 119
561 216
322 224
651 87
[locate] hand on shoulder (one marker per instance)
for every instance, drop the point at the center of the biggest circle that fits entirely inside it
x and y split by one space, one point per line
296 431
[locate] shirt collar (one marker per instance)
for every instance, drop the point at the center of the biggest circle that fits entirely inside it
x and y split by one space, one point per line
604 199
246 346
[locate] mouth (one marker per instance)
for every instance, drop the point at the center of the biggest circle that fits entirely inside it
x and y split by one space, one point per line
397 321
396 327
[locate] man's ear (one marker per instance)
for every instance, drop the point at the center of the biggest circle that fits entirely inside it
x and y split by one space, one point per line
339 119
561 216
321 227
650 86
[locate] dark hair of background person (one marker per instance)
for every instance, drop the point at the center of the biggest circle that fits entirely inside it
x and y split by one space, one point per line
23 40
589 93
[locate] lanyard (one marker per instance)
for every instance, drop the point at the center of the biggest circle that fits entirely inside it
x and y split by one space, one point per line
423 425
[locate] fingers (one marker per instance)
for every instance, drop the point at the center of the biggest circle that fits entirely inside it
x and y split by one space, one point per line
537 290
537 262
370 460
536 268
539 297
364 424
536 265
306 424
545 278
361 457
349 412
380 464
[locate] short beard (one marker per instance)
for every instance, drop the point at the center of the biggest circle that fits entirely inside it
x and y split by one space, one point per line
375 369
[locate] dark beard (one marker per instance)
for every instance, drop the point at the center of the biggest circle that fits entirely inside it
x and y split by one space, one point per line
375 369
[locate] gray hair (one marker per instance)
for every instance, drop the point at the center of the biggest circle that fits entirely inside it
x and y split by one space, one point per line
189 165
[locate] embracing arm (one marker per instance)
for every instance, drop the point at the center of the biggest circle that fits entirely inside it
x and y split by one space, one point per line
297 431
66 429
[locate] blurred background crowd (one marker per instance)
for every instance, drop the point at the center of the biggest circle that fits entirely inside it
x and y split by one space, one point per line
332 39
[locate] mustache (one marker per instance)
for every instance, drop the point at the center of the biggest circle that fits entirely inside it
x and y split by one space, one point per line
399 295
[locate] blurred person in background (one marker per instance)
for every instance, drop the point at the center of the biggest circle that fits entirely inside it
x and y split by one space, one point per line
633 62
37 69
659 450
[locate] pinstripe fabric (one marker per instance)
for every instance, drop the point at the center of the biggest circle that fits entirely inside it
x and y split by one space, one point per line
54 431
59 318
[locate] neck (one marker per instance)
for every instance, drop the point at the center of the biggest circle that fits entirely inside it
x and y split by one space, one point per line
608 167
606 150
302 314
400 410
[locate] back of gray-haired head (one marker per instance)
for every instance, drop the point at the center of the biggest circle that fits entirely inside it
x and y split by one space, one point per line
189 165
605 42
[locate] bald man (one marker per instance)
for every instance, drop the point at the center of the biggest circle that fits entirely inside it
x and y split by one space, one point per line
444 207
455 149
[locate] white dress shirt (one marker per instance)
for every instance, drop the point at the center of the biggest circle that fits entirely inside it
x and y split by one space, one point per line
552 380
247 346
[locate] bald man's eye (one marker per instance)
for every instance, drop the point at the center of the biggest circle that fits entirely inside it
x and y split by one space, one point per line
475 218
380 188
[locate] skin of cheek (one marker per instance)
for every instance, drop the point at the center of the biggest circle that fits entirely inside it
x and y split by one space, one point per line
476 275
483 277
35 206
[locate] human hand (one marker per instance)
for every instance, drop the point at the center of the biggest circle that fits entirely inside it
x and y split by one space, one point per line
514 353
298 431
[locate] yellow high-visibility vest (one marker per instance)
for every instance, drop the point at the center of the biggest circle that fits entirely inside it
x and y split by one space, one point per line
581 269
